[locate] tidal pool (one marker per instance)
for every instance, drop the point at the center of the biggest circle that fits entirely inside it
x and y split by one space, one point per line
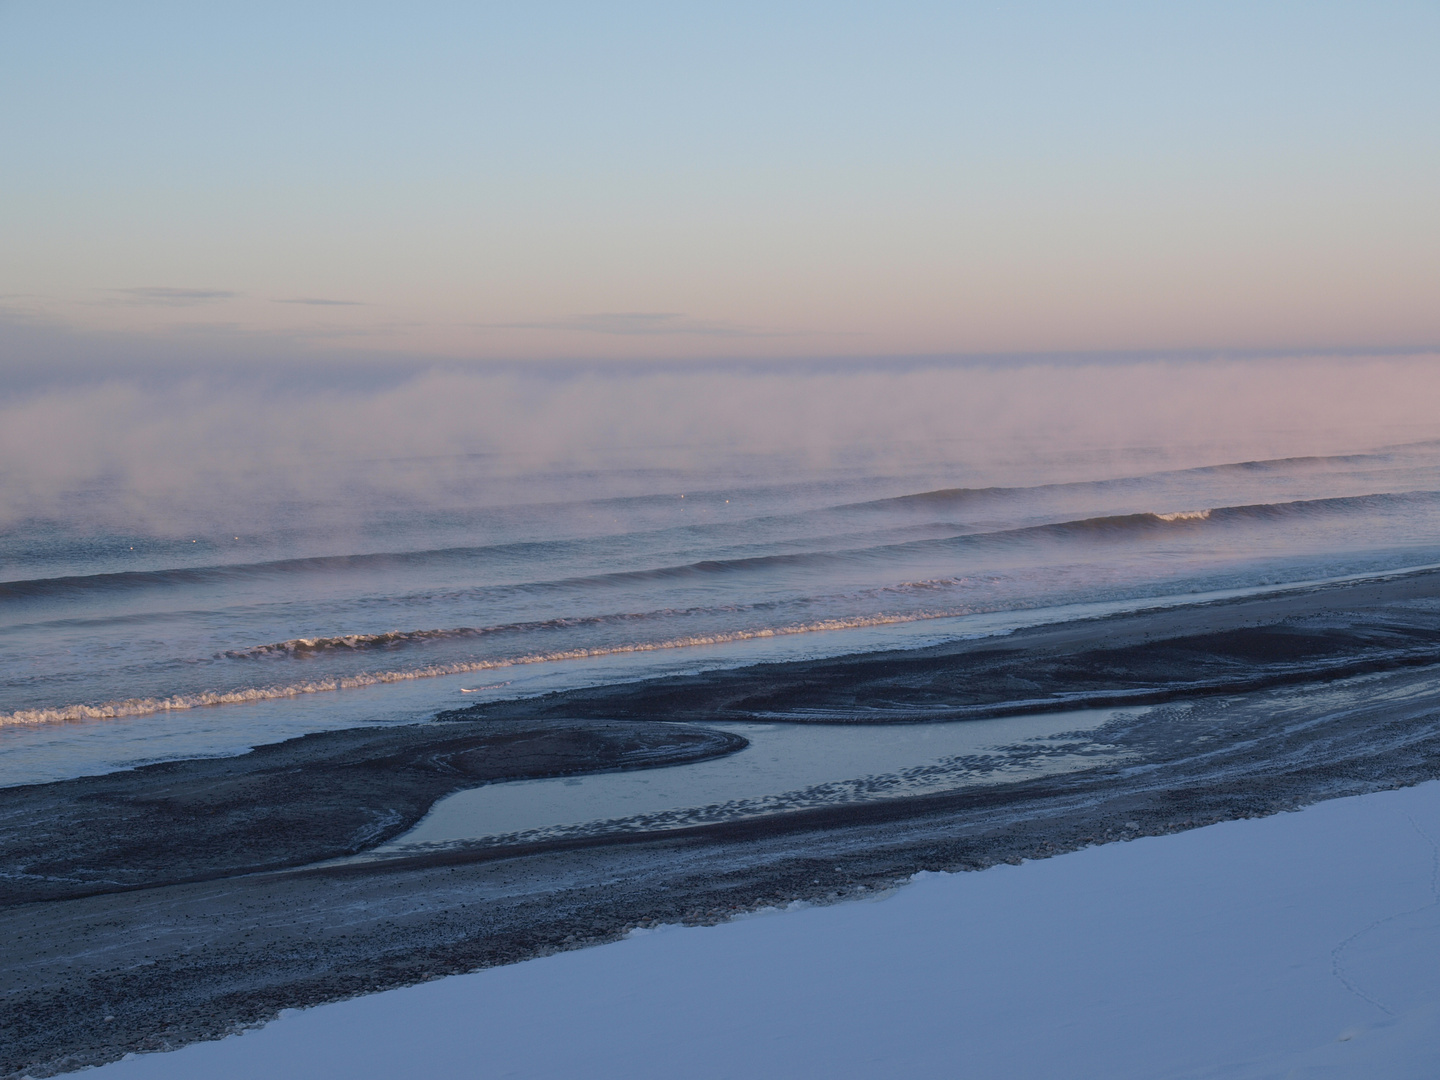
785 767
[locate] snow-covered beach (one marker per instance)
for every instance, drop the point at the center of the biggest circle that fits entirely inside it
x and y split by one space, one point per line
1303 944
766 541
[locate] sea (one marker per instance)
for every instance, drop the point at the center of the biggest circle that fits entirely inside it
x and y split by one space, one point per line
125 646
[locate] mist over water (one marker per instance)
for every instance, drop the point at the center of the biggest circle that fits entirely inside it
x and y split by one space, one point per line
195 567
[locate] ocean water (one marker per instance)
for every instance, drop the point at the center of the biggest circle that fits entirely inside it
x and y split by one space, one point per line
124 646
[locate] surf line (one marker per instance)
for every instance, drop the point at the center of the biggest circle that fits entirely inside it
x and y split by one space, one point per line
1036 616
114 710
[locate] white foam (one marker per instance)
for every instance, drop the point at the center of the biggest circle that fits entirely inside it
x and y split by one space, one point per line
112 710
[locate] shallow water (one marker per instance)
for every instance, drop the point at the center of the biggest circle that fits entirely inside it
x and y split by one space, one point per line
785 767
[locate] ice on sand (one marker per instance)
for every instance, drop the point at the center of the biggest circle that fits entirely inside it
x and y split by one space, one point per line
1304 944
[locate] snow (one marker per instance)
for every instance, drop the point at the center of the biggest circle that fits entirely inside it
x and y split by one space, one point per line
1300 945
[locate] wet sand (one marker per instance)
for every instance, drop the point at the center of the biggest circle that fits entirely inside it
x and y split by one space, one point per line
1275 702
302 801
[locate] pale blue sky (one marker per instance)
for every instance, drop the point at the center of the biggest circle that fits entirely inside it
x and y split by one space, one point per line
648 180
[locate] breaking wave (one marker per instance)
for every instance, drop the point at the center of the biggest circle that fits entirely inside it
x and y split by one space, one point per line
394 640
113 710
1120 527
301 648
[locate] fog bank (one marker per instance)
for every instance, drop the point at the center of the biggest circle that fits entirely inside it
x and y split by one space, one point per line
165 453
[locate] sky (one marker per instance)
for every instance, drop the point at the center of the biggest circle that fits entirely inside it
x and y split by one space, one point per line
242 243
659 182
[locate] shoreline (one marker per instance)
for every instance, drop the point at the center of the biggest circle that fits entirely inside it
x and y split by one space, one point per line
189 961
997 625
1142 657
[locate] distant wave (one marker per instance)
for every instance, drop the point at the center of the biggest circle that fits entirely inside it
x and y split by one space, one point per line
1121 525
226 573
950 497
1347 504
1310 461
112 710
1094 528
955 497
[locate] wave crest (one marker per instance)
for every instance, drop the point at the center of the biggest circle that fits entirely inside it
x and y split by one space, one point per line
1085 528
113 710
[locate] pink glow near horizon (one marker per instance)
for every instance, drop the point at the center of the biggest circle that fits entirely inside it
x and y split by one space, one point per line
753 182
178 450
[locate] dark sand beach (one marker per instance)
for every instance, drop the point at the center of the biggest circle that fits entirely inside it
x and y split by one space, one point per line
179 902
302 801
